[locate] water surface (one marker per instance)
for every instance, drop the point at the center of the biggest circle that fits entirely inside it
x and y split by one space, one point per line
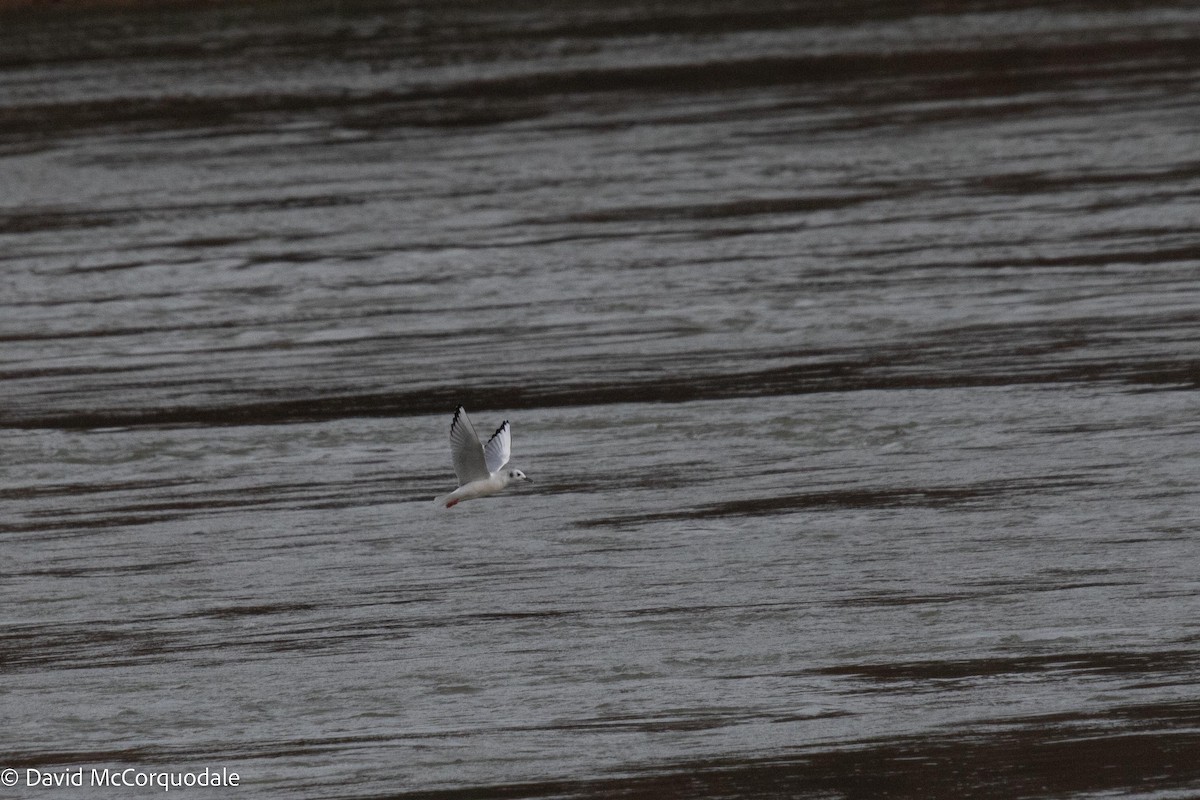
853 353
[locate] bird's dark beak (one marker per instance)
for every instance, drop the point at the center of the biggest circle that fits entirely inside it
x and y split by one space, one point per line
529 479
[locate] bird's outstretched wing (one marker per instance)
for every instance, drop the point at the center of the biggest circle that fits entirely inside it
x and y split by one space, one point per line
496 453
469 463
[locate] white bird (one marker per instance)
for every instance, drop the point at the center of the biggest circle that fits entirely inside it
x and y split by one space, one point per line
480 468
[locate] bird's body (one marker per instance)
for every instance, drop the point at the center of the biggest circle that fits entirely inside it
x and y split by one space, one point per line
480 488
480 468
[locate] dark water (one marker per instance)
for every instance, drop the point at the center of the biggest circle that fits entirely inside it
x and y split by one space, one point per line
854 352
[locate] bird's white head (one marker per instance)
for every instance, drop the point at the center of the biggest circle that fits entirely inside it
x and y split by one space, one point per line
517 475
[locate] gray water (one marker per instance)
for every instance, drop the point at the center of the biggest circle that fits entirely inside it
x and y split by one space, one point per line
854 354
